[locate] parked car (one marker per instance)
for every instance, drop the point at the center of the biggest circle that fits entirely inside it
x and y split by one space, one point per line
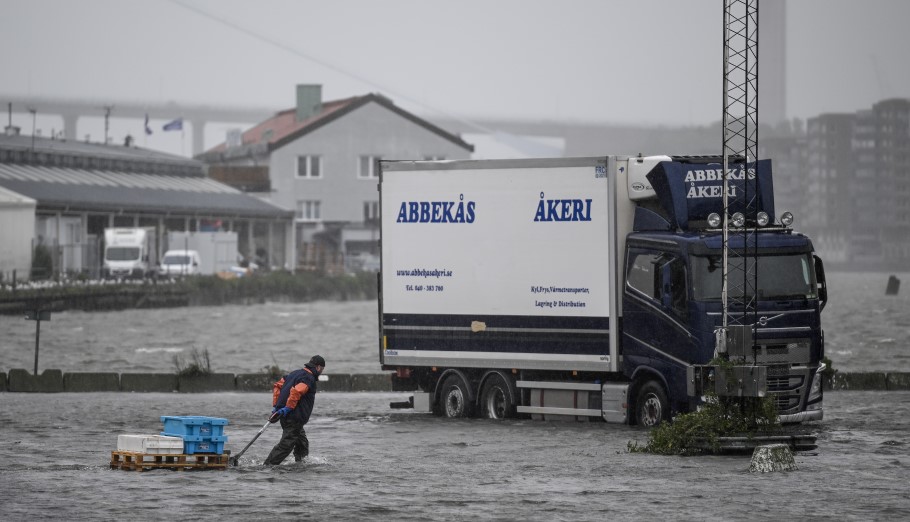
179 263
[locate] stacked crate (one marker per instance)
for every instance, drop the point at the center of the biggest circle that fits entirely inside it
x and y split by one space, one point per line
199 434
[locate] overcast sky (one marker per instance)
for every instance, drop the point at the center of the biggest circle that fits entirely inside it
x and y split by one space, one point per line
642 61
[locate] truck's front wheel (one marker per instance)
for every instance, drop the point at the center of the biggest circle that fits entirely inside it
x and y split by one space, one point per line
651 405
455 399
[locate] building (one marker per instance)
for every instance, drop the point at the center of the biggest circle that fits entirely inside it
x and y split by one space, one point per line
320 159
828 182
857 186
78 189
891 119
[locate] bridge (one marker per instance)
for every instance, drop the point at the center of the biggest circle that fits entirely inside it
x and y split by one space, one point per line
197 115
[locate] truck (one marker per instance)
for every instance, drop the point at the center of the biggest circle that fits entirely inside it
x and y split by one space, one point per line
214 251
593 288
129 253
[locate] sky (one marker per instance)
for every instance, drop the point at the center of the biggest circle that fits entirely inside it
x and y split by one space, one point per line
648 62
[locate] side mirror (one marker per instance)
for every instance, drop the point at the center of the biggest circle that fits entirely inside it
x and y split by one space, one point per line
821 282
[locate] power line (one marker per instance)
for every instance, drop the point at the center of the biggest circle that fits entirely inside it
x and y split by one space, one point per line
300 54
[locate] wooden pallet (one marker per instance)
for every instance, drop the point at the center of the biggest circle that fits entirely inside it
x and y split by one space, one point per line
131 461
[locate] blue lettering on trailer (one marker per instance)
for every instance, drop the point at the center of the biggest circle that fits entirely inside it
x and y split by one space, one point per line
437 211
563 209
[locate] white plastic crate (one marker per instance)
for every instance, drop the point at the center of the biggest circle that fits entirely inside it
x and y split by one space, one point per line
152 444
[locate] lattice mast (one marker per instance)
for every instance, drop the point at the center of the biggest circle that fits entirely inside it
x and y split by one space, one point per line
740 148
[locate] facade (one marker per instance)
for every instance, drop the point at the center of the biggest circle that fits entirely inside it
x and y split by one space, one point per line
79 189
320 159
857 186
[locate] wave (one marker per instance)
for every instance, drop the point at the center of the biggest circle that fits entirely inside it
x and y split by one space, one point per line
158 350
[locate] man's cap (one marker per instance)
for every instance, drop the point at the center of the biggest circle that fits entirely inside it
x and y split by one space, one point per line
317 360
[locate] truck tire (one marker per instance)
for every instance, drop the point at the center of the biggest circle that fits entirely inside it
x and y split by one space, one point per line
651 405
455 400
496 400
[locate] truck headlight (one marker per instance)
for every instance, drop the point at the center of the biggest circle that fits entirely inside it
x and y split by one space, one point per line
713 220
815 392
739 220
762 219
786 219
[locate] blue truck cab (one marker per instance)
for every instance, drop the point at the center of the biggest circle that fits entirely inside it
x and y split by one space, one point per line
673 292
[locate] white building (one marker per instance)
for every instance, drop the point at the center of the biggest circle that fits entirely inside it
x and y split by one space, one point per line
320 160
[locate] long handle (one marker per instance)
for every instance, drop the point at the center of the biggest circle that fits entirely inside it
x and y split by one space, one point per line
266 425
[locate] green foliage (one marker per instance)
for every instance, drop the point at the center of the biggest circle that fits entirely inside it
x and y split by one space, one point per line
88 295
274 372
829 370
700 431
200 364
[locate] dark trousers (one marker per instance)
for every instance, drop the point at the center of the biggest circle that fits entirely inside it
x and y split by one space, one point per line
293 438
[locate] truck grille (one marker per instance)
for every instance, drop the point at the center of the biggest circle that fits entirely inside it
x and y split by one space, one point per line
781 351
787 385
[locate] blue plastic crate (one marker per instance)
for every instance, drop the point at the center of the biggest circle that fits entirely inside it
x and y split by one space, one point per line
195 426
195 444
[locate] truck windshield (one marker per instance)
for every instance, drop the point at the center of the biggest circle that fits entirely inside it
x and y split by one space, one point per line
122 254
779 277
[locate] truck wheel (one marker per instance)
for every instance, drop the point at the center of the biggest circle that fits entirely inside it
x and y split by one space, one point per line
496 400
651 405
455 399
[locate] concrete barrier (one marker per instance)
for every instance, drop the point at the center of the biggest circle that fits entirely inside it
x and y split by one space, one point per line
148 382
212 382
91 382
859 381
371 382
338 382
50 381
898 381
3 381
255 382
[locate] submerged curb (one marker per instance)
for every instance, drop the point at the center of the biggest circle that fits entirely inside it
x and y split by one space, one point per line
53 381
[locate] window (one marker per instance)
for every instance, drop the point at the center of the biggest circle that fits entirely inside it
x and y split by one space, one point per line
661 277
370 211
309 210
642 275
369 167
309 166
780 277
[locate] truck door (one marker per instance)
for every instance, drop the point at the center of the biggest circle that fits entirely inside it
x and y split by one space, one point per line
655 317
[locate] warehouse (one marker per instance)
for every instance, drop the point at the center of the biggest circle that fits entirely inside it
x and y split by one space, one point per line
79 189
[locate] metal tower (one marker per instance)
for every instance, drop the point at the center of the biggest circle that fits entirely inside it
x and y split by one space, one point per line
740 150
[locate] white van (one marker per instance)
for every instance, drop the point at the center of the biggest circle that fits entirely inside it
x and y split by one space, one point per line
179 263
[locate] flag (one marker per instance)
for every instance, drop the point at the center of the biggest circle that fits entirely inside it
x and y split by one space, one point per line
148 130
173 125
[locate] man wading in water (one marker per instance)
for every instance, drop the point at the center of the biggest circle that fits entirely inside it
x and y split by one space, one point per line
292 400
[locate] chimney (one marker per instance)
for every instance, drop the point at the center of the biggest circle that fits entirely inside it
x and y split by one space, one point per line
309 101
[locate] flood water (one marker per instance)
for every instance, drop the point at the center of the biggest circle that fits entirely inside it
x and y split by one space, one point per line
865 330
370 462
